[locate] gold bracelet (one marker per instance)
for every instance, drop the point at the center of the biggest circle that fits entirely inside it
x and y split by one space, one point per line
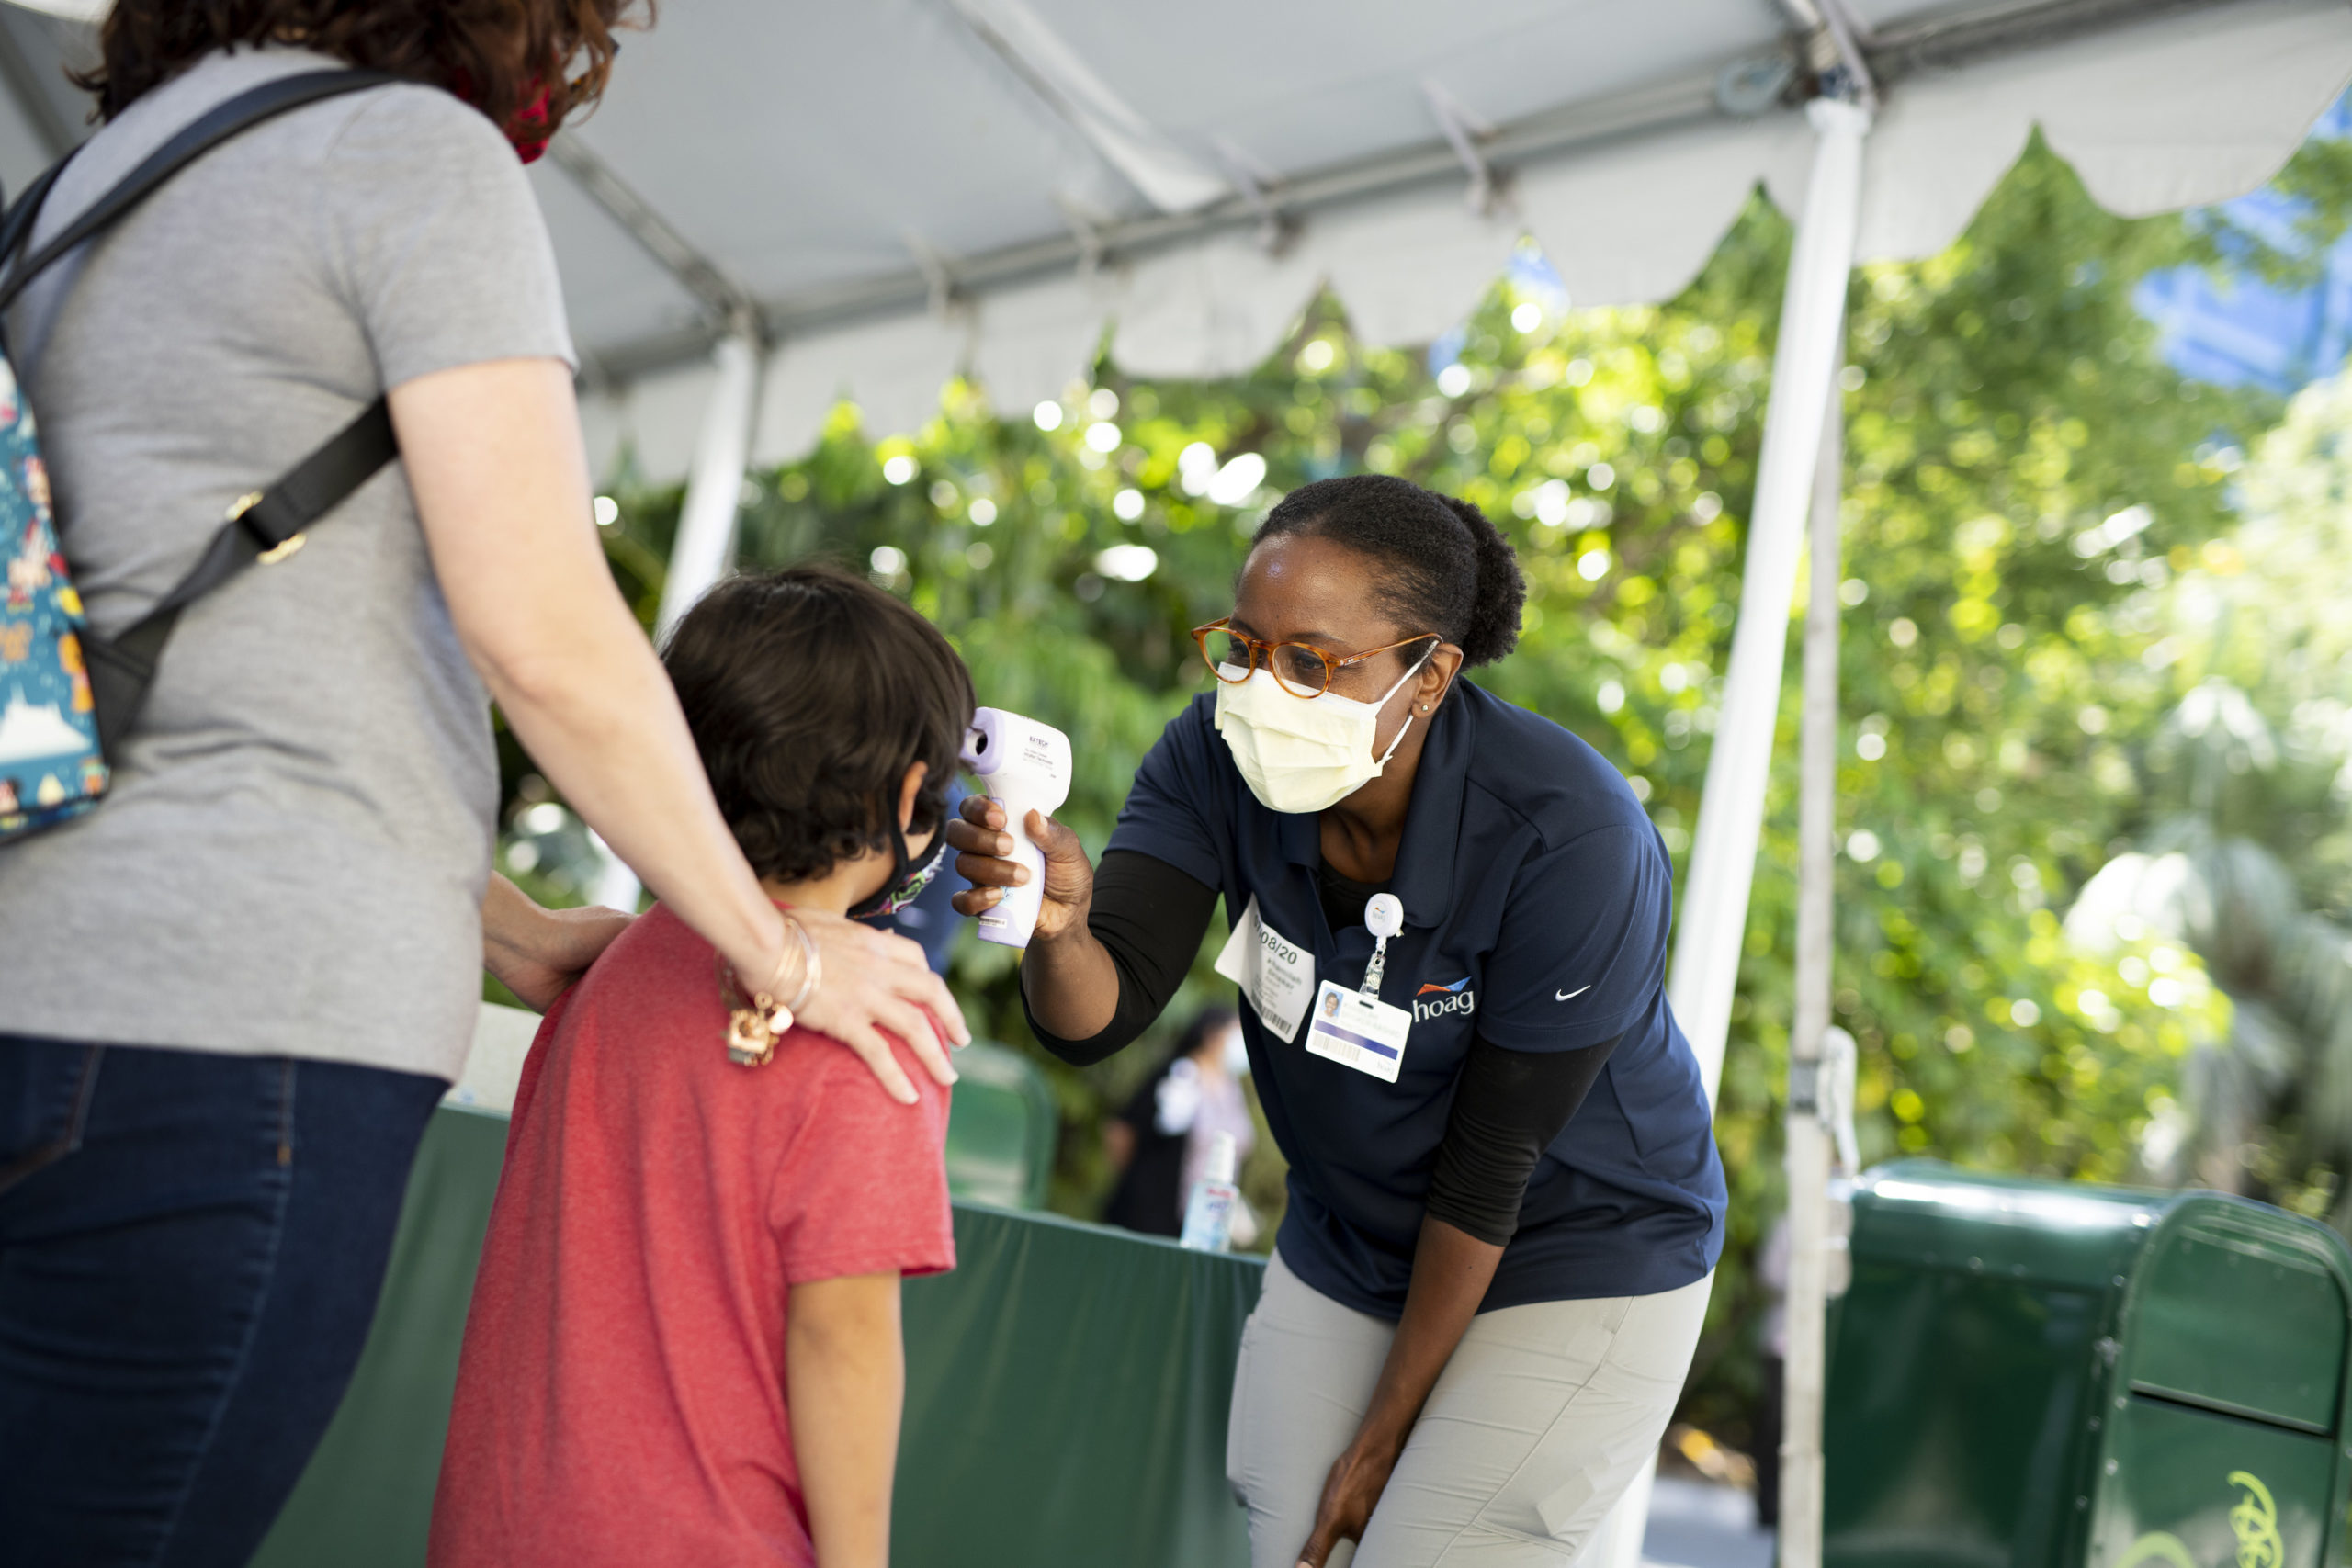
812 965
753 1028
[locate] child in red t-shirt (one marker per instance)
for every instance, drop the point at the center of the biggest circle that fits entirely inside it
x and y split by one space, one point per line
684 1347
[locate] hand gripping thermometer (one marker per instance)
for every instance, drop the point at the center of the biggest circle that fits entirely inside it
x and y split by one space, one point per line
1023 766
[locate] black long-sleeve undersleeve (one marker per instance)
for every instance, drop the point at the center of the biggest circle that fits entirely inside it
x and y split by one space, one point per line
1149 916
1508 1107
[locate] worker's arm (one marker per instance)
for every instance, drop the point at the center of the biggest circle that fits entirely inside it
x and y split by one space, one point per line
1451 1272
1110 947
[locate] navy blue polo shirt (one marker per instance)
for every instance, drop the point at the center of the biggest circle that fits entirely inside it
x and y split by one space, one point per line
1537 899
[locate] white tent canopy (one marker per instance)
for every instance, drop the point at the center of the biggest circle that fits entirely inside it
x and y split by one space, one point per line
902 189
891 192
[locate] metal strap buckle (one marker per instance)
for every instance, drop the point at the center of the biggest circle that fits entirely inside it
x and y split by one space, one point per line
276 553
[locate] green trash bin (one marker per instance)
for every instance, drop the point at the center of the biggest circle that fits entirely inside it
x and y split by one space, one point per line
2029 1374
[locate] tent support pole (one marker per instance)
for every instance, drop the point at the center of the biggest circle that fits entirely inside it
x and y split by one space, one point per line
1713 917
1713 913
705 547
705 542
1805 1371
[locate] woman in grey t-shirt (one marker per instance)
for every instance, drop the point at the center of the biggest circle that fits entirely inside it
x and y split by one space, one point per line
235 991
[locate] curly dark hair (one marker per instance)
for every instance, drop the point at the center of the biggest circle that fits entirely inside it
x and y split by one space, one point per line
1445 567
498 55
809 693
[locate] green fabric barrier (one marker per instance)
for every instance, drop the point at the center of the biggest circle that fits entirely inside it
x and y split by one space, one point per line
1067 1389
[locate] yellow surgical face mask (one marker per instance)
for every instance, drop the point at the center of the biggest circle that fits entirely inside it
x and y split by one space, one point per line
1301 754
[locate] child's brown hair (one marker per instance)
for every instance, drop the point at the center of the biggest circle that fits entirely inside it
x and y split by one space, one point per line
809 693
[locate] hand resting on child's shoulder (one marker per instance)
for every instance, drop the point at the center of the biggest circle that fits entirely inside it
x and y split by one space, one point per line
537 953
873 980
876 981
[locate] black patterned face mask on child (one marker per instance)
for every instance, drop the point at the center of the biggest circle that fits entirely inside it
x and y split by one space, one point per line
906 884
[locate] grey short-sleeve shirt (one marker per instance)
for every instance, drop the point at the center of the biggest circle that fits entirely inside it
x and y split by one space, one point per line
293 856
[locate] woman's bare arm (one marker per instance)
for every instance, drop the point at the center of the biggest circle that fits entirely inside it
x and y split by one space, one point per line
1451 1272
493 455
537 951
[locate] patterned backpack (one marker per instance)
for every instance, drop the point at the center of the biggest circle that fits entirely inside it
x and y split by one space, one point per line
68 697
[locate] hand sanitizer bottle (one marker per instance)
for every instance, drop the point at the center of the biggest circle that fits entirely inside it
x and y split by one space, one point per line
1208 1216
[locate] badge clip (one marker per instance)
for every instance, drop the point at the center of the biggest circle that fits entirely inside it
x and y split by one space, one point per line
1385 917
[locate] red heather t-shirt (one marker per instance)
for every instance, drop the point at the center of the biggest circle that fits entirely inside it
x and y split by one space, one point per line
621 1395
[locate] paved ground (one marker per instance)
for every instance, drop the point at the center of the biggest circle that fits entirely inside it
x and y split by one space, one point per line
1695 1525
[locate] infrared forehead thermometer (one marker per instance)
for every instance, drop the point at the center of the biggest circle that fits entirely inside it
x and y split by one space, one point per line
1023 766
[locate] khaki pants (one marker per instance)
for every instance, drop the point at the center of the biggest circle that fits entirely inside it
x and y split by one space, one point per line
1539 1422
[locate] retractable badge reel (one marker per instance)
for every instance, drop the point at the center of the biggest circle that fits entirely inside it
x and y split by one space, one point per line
1384 917
1356 1028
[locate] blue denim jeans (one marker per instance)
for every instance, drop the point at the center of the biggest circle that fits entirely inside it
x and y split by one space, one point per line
191 1245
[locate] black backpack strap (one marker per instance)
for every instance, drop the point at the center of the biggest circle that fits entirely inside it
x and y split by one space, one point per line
266 527
206 132
274 518
17 222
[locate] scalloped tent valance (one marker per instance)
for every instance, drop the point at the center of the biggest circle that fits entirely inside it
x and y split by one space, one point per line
889 193
912 194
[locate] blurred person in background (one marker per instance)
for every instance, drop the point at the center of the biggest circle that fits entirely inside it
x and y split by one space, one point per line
236 991
1159 1143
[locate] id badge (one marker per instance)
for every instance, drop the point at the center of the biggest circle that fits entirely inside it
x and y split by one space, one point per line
1275 973
1359 1030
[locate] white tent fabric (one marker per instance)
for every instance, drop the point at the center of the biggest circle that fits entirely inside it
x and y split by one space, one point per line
821 159
2197 111
2189 108
903 190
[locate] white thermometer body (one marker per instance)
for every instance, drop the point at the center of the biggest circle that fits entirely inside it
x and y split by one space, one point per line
1023 766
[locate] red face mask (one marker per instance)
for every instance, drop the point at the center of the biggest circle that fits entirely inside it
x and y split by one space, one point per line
529 132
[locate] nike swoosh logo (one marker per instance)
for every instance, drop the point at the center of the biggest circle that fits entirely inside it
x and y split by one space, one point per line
1569 996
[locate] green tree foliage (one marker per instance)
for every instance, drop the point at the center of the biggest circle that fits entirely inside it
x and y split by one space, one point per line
2020 464
2265 1103
2244 847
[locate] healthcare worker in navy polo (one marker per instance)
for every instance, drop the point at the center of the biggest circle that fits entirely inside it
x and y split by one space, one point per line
1449 923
